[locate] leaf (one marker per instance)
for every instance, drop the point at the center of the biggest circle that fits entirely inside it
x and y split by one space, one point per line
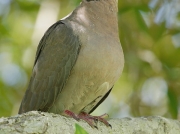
80 130
173 103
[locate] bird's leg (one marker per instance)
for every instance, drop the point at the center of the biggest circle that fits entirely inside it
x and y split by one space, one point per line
88 118
81 116
71 114
95 118
84 116
101 119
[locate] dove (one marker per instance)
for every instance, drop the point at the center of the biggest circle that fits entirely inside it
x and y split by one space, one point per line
78 60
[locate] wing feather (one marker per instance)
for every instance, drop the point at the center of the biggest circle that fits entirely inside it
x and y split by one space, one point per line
55 57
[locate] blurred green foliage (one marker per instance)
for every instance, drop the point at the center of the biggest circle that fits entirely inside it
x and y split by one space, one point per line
80 130
150 37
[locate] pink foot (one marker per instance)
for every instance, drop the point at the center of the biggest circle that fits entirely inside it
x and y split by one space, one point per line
91 120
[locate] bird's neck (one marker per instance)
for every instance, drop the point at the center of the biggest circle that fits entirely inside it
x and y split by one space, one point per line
107 5
100 8
101 14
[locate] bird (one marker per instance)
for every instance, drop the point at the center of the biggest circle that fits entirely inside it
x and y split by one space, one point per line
77 62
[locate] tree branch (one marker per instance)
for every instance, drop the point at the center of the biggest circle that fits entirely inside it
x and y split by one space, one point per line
48 123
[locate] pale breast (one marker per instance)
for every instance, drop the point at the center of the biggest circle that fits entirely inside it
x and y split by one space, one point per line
98 67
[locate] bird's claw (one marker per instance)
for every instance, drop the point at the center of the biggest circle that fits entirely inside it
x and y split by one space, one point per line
91 120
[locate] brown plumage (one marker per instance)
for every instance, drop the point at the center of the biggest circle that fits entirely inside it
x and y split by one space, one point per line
78 60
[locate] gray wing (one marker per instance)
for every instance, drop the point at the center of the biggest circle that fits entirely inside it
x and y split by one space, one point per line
56 55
